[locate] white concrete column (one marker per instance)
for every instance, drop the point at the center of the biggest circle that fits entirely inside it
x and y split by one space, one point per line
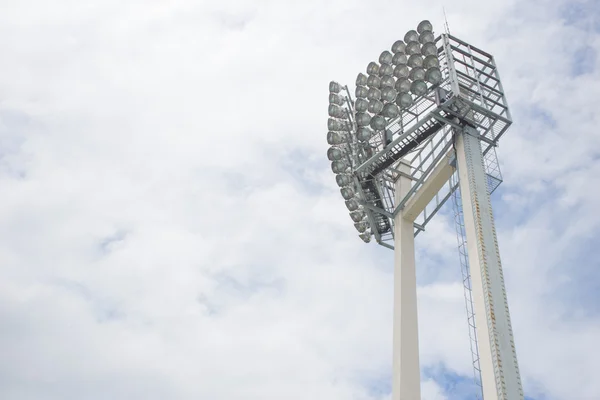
497 356
406 379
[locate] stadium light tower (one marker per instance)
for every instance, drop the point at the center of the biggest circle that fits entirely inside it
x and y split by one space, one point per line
422 130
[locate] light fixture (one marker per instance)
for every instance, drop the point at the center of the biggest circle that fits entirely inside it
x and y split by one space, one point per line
373 68
388 94
418 87
361 92
417 74
339 166
378 123
357 215
426 37
398 47
361 105
424 26
385 57
364 133
416 60
433 75
373 81
361 226
404 100
401 71
347 193
334 87
365 236
388 81
363 119
403 85
374 94
335 111
413 48
361 79
336 138
430 62
336 99
386 70
375 106
390 110
411 36
429 49
335 125
335 154
399 59
352 205
343 180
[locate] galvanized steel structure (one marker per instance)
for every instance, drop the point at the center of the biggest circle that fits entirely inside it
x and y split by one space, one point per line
422 130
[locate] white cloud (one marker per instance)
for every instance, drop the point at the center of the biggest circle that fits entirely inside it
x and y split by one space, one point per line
170 227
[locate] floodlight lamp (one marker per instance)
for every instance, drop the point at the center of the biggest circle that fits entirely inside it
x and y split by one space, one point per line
413 48
375 106
361 226
365 236
426 37
386 70
364 133
430 62
401 71
415 61
424 26
398 47
374 94
335 154
433 75
363 119
378 123
335 111
374 81
334 138
373 68
388 81
352 205
419 88
390 110
411 36
399 59
388 94
417 74
404 100
429 49
403 85
334 87
361 92
347 193
335 125
361 105
361 79
385 57
336 99
358 215
339 166
343 180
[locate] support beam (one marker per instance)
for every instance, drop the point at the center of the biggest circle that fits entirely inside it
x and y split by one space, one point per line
498 360
406 379
432 185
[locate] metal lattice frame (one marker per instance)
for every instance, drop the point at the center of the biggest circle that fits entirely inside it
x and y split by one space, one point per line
423 135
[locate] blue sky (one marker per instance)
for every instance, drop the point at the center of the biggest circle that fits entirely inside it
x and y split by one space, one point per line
171 229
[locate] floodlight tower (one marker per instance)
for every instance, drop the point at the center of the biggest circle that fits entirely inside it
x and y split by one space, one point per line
423 128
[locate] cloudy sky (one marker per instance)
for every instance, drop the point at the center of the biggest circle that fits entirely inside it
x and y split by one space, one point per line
170 228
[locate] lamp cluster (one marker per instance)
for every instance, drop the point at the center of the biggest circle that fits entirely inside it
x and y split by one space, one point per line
392 85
